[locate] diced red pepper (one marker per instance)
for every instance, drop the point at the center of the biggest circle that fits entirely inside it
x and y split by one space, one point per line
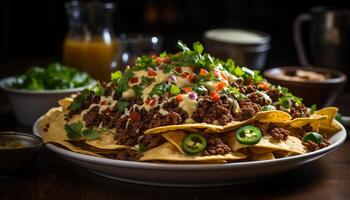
178 69
264 85
151 72
191 77
135 116
178 97
214 96
134 80
220 86
187 89
203 72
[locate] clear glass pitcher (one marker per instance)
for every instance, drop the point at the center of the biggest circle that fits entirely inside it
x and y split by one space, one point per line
90 44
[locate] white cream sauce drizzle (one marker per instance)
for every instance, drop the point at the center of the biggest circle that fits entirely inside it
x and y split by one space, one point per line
188 105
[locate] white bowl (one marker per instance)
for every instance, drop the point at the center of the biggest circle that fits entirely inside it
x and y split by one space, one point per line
190 175
30 105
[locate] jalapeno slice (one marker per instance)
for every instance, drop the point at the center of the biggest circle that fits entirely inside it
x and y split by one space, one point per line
248 135
194 143
313 136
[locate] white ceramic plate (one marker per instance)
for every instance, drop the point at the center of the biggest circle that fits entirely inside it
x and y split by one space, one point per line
190 175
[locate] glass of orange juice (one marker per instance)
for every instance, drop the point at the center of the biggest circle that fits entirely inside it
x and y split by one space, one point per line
90 44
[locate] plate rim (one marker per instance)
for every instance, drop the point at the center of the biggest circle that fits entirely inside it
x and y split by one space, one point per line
181 167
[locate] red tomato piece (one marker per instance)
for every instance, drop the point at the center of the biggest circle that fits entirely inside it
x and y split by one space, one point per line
151 72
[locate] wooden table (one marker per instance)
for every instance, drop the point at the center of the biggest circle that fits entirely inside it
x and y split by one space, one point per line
55 178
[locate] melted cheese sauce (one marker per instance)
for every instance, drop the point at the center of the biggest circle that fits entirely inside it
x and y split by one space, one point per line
188 105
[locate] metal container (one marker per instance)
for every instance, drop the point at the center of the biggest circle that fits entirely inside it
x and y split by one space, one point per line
18 153
247 48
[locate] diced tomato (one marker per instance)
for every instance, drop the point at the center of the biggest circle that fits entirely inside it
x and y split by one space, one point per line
191 68
220 85
191 77
154 56
178 97
264 85
103 102
203 72
134 80
214 96
151 101
151 72
178 69
223 75
187 89
135 116
184 75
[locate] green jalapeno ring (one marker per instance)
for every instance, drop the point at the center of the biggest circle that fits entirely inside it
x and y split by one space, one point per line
248 135
313 136
194 143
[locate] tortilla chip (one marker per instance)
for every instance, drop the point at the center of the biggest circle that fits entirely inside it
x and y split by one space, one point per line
263 156
168 152
329 126
330 112
292 144
267 116
175 138
258 150
53 122
206 128
65 103
314 121
75 148
106 141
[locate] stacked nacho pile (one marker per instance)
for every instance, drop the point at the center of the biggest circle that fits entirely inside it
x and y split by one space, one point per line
188 107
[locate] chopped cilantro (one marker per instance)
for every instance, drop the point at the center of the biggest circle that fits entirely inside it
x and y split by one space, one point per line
174 90
313 108
73 130
198 47
284 102
144 62
115 76
98 89
138 90
121 105
90 134
159 89
163 54
199 89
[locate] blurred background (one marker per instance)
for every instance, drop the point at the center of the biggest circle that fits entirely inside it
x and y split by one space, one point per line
32 32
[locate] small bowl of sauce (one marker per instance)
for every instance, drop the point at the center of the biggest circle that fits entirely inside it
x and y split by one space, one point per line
18 153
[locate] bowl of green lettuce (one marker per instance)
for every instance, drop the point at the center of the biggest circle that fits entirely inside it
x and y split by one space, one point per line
31 94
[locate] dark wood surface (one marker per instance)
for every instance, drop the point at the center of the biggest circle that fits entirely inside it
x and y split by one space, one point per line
55 178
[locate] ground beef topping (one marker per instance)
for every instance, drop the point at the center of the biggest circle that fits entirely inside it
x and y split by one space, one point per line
209 111
151 141
215 146
126 154
278 133
92 117
248 110
312 146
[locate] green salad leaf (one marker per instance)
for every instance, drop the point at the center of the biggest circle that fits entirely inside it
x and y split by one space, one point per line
54 77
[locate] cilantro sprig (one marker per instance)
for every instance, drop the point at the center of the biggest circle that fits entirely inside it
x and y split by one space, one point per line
76 131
